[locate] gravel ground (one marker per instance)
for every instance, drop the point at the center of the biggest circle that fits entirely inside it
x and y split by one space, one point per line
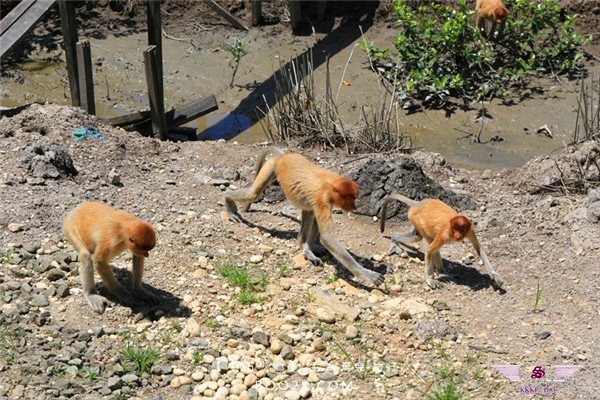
292 330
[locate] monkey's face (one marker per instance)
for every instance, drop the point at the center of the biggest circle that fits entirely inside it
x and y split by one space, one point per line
344 193
500 15
142 239
460 226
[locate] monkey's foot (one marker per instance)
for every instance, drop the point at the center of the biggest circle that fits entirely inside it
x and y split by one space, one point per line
310 256
395 249
146 295
96 302
235 217
370 277
434 283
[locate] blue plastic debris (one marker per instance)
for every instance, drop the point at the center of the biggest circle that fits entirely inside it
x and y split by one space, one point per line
82 133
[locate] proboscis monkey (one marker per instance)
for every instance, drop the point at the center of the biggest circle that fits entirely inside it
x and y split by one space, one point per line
99 233
313 190
439 224
493 11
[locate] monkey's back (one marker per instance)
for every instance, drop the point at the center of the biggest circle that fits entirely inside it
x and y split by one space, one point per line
429 216
91 222
301 180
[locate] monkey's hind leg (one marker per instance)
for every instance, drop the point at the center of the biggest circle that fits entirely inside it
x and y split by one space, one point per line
86 272
248 195
138 289
399 240
307 237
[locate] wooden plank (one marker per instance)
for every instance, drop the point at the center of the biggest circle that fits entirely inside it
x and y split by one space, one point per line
14 14
154 24
256 12
157 107
86 79
70 39
295 13
230 18
191 111
174 117
18 30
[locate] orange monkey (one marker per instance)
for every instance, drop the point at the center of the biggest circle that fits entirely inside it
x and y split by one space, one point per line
313 190
438 224
100 233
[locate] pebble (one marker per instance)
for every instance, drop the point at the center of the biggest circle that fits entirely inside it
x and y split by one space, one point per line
324 315
351 332
198 376
287 352
256 259
292 395
276 346
14 227
180 381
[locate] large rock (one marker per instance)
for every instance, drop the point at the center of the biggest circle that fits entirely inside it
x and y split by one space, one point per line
48 161
380 177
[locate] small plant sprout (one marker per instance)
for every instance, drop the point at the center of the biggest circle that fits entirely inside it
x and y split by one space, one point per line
237 51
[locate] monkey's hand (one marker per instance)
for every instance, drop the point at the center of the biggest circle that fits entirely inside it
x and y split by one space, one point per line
497 279
232 211
370 277
146 295
395 249
96 302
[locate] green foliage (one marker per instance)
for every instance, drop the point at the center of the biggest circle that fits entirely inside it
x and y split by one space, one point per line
237 51
439 52
197 358
448 392
249 284
137 358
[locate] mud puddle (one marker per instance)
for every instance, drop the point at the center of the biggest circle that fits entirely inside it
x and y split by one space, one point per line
199 65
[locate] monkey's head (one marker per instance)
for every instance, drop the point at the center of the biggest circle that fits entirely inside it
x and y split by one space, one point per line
141 238
460 226
343 194
500 14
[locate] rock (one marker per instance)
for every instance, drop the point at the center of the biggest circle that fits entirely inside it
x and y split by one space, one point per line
179 381
39 300
276 346
292 395
114 383
14 227
287 352
305 391
55 274
330 302
129 379
410 306
48 161
256 258
351 332
261 338
543 335
250 380
434 328
324 315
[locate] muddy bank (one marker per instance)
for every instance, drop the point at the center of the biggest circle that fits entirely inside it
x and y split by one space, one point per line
196 64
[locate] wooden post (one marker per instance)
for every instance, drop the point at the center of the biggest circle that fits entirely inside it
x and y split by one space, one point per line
86 79
256 12
230 18
155 39
295 13
157 106
69 28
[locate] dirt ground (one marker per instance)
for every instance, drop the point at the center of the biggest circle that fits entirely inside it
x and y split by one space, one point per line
400 341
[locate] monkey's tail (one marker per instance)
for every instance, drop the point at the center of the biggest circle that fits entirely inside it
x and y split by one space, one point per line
276 151
387 200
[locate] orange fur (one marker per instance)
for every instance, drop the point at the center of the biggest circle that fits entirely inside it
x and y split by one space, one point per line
99 233
493 11
439 224
315 191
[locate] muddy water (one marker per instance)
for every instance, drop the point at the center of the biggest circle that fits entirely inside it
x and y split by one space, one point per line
195 68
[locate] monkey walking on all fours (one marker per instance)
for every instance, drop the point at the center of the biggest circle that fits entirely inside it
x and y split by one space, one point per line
99 233
313 190
439 224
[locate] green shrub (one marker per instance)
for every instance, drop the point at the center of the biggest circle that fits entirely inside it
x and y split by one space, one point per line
439 52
